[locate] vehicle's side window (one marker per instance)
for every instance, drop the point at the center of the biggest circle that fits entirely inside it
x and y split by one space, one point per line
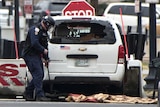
126 10
115 9
119 28
129 10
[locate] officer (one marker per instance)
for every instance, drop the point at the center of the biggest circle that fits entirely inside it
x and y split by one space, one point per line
35 50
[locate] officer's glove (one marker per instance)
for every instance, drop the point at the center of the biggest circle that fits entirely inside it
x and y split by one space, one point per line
45 51
46 63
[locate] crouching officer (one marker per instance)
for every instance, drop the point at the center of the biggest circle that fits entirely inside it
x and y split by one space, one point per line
35 50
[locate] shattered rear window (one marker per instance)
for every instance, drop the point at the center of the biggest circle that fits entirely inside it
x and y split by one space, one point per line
83 32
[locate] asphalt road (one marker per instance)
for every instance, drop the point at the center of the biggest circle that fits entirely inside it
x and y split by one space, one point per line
22 103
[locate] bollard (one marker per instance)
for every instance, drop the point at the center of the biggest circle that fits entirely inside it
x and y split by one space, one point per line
153 77
154 66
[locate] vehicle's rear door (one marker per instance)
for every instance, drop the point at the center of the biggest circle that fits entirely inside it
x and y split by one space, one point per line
84 47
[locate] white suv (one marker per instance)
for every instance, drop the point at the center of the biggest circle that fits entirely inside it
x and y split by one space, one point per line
86 50
128 14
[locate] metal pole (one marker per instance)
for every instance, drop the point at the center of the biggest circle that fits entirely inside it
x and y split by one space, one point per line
139 22
152 37
16 19
139 53
153 49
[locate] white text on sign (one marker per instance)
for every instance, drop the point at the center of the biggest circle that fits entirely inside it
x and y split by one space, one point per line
79 13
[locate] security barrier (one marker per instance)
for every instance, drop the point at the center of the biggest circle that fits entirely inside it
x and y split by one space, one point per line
7 49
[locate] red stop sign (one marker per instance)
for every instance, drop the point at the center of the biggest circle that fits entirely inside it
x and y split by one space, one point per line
78 8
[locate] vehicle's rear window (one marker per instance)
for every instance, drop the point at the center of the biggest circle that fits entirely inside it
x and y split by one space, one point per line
83 33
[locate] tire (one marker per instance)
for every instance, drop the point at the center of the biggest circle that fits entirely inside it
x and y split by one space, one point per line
115 90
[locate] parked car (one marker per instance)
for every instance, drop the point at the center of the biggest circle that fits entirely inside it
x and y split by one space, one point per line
48 7
128 14
86 50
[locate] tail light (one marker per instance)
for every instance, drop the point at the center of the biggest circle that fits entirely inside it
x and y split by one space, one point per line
121 54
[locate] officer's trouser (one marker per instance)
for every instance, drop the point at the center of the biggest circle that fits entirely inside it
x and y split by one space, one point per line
35 66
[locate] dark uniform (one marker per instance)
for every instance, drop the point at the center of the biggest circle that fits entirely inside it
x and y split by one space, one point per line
35 44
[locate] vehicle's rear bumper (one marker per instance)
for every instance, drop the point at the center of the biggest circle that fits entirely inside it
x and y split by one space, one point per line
82 80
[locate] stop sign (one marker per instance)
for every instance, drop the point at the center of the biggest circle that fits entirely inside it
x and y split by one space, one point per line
78 8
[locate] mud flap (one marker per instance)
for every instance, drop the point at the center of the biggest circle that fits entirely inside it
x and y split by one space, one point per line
133 83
